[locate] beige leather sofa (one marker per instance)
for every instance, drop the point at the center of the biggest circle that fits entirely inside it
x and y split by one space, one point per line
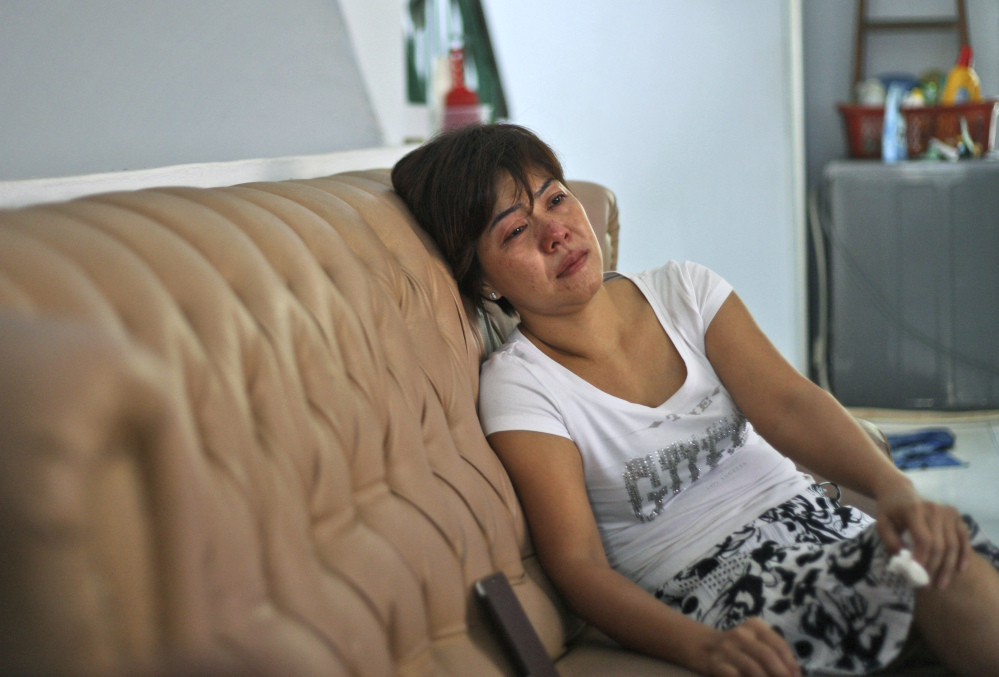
238 436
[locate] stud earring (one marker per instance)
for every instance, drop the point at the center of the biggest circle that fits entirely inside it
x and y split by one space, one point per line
493 296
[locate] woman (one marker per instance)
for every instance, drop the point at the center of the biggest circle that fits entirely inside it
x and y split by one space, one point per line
639 418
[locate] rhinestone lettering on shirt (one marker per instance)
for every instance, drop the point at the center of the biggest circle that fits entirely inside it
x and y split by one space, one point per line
720 439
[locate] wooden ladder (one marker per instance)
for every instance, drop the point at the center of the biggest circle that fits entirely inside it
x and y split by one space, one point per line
866 25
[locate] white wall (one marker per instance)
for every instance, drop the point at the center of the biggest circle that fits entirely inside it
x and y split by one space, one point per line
687 111
375 28
105 85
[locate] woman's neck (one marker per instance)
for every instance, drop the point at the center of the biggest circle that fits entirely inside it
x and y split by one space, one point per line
587 333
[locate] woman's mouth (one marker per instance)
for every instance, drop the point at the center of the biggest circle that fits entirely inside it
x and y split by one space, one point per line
571 263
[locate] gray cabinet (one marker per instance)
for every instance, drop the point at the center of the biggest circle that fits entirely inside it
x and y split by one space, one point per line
913 266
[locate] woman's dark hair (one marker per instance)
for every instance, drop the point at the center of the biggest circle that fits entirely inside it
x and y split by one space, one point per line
449 184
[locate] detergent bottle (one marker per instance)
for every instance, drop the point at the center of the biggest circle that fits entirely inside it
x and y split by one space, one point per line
962 85
461 105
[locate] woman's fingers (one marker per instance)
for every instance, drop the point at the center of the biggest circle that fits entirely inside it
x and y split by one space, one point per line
964 538
957 546
952 553
746 666
889 534
917 523
753 655
936 544
753 649
780 654
939 538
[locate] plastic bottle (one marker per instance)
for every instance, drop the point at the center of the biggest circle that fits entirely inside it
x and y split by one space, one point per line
962 85
894 146
461 105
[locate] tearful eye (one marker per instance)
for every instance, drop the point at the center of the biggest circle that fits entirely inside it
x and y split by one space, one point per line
514 233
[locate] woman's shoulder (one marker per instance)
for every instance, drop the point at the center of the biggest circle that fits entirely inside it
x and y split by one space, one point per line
681 280
687 292
686 273
515 357
516 391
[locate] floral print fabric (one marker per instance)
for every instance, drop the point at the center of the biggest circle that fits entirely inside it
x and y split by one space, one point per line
816 572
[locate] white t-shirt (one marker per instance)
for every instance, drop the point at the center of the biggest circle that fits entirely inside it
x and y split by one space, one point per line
665 483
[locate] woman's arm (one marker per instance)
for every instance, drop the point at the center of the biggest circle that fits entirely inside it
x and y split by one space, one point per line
548 474
809 426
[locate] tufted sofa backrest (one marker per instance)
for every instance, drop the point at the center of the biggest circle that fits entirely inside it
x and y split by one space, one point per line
239 426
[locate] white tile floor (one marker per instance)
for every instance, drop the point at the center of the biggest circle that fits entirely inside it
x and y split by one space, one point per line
973 489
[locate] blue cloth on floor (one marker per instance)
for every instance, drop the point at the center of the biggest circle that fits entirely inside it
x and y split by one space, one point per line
928 448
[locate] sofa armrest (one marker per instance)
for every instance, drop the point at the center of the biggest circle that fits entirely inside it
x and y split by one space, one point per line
877 435
600 204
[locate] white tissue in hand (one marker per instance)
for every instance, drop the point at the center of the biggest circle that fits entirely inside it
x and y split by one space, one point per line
902 563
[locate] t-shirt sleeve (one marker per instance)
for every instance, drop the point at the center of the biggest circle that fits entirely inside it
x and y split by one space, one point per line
708 289
511 397
689 295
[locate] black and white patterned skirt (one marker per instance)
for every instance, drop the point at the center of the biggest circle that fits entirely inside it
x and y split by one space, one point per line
817 573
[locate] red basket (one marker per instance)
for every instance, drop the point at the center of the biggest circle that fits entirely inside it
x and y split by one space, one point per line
863 126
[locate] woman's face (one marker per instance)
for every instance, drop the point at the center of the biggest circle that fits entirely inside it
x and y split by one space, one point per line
543 259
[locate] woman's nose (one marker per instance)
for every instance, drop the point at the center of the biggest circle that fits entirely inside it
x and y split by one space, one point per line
555 234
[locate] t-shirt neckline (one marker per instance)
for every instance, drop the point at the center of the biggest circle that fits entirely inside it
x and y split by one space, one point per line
674 335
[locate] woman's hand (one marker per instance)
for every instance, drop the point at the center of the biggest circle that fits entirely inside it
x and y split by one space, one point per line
940 540
751 649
